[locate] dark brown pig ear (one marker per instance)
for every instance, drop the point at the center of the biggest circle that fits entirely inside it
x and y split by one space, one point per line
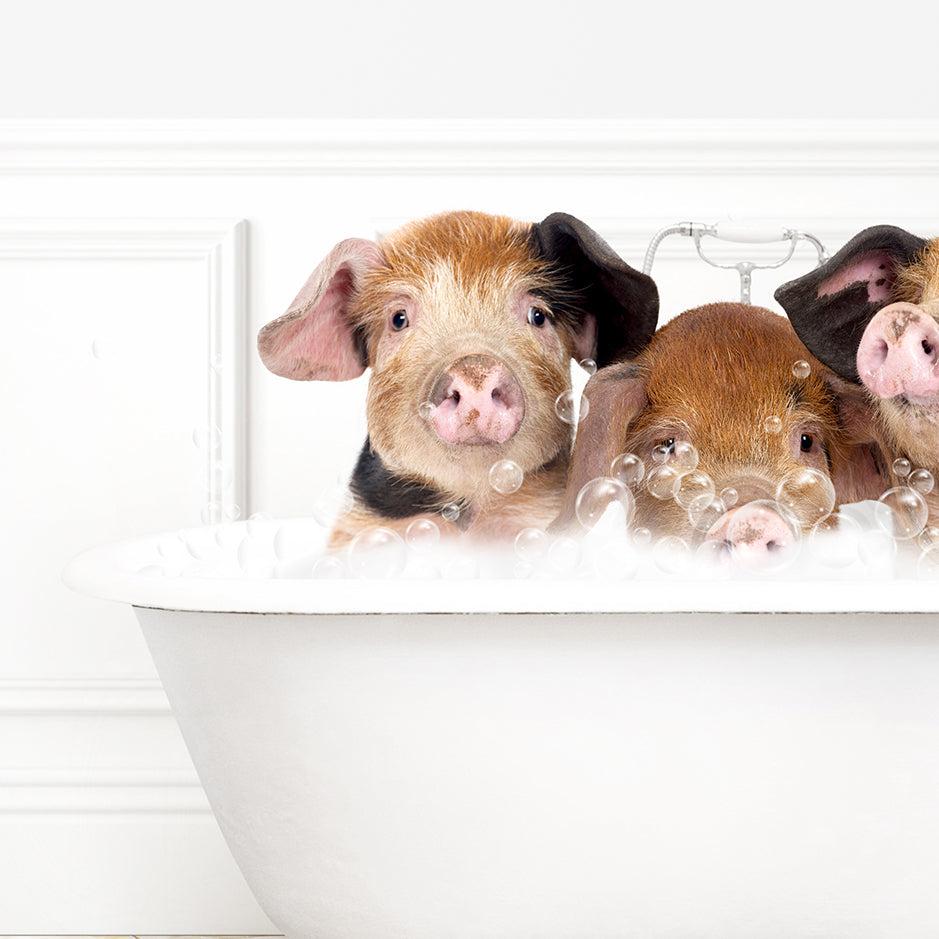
615 396
315 339
624 301
830 307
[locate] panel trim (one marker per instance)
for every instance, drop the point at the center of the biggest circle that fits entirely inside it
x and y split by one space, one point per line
221 245
101 792
93 790
470 147
93 696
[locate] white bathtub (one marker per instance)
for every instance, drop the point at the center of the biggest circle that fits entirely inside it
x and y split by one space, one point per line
559 758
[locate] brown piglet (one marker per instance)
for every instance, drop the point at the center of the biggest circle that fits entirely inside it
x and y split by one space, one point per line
872 314
469 323
745 440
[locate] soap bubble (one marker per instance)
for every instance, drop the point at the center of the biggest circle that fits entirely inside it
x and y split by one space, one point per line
328 567
929 538
531 545
565 406
705 511
218 477
772 425
425 411
208 438
836 540
451 512
729 496
928 565
281 544
422 535
801 369
642 536
588 365
100 348
902 467
684 457
808 494
679 454
902 512
564 554
597 495
628 469
922 481
377 553
506 477
663 481
716 555
693 486
256 522
671 555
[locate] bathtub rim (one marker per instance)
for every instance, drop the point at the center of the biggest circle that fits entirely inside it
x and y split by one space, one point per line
112 572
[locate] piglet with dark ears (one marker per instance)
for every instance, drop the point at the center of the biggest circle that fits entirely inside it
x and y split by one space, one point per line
469 323
871 313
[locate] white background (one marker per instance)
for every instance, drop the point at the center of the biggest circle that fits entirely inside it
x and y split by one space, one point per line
485 59
105 363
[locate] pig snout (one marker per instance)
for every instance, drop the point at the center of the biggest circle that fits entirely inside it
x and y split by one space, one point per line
753 535
476 400
899 352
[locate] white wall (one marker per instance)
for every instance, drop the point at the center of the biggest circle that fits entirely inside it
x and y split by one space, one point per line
489 58
136 265
138 260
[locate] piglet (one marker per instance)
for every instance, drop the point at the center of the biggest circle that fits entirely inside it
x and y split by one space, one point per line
872 314
745 440
469 323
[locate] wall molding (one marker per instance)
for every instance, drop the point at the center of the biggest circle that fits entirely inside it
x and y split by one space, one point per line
101 792
86 696
221 245
469 147
89 789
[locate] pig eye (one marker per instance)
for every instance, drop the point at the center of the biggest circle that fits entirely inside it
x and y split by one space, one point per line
399 320
806 443
666 446
537 316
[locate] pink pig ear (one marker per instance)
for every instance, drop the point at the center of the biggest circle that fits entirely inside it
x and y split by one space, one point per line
315 339
876 270
831 306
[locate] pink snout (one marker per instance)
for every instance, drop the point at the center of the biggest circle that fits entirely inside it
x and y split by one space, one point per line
899 353
753 535
477 400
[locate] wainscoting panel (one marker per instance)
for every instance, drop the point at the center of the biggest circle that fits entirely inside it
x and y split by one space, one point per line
137 262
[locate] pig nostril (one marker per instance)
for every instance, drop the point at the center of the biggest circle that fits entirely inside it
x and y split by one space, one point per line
455 396
928 348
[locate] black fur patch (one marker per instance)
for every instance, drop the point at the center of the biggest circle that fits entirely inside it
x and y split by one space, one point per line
377 488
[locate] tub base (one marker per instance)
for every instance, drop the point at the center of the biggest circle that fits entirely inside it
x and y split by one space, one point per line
568 776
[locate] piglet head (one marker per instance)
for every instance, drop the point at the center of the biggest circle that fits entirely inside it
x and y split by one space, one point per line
733 437
872 314
469 323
